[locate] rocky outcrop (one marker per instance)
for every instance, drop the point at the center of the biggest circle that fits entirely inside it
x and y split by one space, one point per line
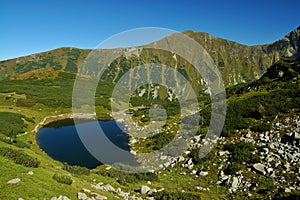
278 156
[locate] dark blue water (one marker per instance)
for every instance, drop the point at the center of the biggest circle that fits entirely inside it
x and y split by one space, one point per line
61 141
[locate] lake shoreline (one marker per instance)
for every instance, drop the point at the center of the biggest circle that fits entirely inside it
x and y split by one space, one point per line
68 119
53 118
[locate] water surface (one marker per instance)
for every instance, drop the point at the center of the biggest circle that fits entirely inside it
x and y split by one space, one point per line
61 142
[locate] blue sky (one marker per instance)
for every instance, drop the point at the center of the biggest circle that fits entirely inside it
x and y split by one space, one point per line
33 26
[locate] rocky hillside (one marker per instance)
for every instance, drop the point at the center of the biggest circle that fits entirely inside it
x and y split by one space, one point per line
238 63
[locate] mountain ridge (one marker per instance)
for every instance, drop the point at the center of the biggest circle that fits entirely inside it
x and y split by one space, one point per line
237 62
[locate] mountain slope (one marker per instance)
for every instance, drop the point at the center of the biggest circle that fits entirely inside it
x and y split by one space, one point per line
58 59
237 63
240 63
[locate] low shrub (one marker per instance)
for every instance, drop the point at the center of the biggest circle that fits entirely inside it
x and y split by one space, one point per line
264 184
29 119
62 179
233 168
77 170
241 152
128 177
164 195
25 102
15 142
19 157
263 127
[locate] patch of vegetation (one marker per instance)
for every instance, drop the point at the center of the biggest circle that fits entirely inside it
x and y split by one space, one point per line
19 157
194 155
161 139
233 168
26 102
62 179
241 152
261 127
53 93
15 142
77 170
29 119
264 184
165 195
124 177
256 106
11 124
250 103
71 66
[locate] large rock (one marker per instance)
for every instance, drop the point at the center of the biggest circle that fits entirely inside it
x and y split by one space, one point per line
86 190
163 157
63 198
235 183
145 189
260 168
203 173
297 136
30 173
109 188
14 181
221 153
82 196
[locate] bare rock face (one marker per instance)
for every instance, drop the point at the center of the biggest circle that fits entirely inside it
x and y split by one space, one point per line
293 49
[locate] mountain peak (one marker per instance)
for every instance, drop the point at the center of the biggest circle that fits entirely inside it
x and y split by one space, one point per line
292 43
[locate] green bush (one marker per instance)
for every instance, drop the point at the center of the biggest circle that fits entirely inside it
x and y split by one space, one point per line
29 119
78 170
233 168
241 152
128 177
262 127
264 184
164 195
62 179
161 139
14 142
26 102
71 66
11 124
21 144
19 157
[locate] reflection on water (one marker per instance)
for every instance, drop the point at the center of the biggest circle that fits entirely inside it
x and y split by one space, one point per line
61 142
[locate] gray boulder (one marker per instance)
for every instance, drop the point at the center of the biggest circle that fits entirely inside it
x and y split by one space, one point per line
145 189
260 168
63 198
14 181
82 196
203 173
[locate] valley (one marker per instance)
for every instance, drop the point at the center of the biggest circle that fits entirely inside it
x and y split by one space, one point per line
256 157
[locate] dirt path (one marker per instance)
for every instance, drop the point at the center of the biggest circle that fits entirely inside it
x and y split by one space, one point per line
56 117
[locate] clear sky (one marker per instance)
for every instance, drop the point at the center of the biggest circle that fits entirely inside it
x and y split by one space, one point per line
31 26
